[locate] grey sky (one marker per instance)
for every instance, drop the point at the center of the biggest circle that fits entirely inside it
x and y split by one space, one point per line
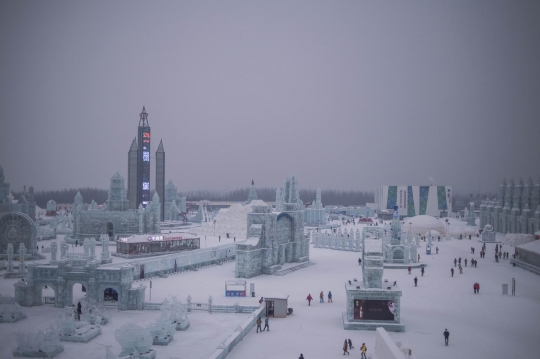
345 94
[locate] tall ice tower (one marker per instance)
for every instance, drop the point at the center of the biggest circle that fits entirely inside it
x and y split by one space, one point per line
132 175
143 160
160 177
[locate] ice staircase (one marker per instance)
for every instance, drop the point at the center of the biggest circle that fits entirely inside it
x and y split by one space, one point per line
293 268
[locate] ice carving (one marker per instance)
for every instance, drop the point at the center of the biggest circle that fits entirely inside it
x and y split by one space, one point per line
42 344
132 337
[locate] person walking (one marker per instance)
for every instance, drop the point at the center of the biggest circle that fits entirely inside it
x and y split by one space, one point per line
437 250
452 271
266 324
459 261
329 297
415 281
446 336
409 269
301 356
345 346
359 261
460 269
309 299
476 288
422 271
465 262
259 322
350 343
363 349
79 310
321 297
455 262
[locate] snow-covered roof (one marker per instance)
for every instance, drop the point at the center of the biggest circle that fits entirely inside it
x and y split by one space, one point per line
533 246
146 238
276 295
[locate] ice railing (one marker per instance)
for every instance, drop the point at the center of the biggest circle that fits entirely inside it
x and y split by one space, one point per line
7 299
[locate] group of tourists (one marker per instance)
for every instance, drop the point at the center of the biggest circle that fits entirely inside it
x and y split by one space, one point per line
259 322
321 297
347 345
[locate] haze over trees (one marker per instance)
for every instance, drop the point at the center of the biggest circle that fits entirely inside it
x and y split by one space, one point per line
267 194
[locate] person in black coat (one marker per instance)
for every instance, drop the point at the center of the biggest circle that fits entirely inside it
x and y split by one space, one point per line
415 281
79 310
446 336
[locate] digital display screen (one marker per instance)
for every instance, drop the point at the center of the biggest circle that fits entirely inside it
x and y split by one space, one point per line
374 309
145 171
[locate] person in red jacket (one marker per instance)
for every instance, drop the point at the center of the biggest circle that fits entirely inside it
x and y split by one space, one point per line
476 288
309 299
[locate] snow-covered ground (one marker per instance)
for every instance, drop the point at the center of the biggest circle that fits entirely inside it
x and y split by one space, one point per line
487 325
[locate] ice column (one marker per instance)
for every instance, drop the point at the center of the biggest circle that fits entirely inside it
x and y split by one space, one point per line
104 247
22 251
63 249
10 257
54 250
86 245
92 246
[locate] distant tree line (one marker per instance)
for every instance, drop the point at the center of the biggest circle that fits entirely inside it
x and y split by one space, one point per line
268 194
460 200
68 195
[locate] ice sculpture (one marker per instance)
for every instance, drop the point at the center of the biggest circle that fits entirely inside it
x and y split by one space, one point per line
38 345
132 337
79 331
175 312
10 310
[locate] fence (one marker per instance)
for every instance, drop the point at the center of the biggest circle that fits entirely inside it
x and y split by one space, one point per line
7 299
208 307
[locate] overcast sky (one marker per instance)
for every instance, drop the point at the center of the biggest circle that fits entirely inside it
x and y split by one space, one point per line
344 94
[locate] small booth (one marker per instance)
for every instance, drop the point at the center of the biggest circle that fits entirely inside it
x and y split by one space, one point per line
235 288
144 245
428 249
276 305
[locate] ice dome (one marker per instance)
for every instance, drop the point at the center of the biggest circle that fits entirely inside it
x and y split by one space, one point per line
422 224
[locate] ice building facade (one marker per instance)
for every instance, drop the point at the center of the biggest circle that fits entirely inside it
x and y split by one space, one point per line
415 200
26 203
17 220
174 204
372 303
280 236
517 210
116 218
398 248
315 214
71 268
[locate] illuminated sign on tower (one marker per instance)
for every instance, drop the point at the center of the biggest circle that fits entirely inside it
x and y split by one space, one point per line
143 160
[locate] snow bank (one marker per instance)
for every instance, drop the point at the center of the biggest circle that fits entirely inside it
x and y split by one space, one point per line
515 239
